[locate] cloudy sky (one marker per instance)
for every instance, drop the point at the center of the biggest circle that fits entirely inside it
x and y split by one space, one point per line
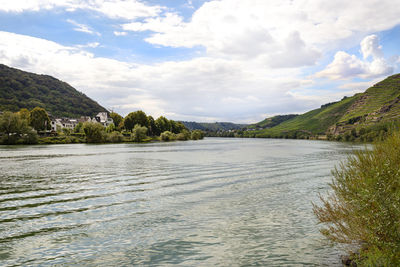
215 60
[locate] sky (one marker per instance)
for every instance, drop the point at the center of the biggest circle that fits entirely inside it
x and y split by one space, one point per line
206 61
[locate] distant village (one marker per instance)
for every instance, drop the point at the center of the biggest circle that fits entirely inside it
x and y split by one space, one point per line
68 123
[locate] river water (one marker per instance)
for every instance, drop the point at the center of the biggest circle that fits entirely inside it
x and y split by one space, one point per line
215 202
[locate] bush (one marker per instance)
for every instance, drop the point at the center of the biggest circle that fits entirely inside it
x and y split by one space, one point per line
94 132
197 135
30 137
167 136
115 137
364 207
139 133
183 136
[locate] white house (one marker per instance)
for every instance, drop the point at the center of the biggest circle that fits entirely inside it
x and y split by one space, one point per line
103 118
68 123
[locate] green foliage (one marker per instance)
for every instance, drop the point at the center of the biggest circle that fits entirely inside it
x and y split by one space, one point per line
369 133
61 140
316 121
14 130
212 126
139 133
364 207
79 128
39 119
115 137
167 136
20 89
66 131
152 126
133 118
177 127
183 136
162 125
94 132
116 118
110 128
273 121
197 135
24 114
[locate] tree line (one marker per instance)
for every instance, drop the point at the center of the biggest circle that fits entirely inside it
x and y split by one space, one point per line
30 127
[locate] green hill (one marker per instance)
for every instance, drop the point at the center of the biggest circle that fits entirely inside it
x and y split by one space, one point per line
213 126
377 105
20 89
271 122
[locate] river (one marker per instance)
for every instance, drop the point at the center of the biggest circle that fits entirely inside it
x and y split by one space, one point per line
215 202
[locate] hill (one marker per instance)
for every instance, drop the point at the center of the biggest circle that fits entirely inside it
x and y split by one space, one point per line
378 105
212 127
20 89
271 122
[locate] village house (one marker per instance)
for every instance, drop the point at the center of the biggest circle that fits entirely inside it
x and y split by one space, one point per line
103 118
69 123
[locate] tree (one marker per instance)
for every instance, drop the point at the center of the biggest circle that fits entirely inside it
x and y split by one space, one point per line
177 127
364 206
139 133
183 136
110 128
197 135
94 132
116 118
162 125
78 128
39 119
115 137
14 128
167 136
24 114
133 118
152 126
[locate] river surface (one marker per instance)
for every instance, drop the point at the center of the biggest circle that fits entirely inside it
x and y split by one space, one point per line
215 202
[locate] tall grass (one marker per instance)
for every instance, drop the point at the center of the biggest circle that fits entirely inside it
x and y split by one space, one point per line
363 209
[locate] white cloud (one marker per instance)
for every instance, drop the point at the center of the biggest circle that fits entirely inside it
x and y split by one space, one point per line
89 45
370 47
282 33
82 27
197 89
359 86
345 66
159 24
251 62
131 9
117 33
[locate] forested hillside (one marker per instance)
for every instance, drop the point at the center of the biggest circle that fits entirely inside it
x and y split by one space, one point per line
20 89
212 126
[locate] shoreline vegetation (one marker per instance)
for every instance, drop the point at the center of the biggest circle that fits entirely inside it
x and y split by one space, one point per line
362 210
33 127
378 131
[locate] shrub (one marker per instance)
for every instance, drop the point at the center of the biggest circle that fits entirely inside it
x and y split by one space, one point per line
364 207
167 136
197 134
183 136
115 137
139 133
94 132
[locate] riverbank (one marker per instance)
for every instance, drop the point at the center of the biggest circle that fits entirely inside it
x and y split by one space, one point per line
363 209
